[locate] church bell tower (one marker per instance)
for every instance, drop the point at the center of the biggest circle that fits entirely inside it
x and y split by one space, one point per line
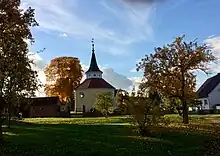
93 71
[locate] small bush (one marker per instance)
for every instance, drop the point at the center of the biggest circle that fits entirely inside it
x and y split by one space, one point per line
146 112
104 103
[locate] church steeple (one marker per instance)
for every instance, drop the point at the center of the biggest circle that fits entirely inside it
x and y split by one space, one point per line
93 71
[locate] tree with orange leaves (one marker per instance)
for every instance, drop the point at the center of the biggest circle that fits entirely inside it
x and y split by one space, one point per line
169 71
63 75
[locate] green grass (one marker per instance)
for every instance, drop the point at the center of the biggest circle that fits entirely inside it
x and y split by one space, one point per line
98 136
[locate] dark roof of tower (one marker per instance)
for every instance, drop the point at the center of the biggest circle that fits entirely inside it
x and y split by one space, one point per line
95 83
208 86
93 63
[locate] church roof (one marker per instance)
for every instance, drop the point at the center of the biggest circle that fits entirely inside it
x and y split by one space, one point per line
93 63
95 83
208 86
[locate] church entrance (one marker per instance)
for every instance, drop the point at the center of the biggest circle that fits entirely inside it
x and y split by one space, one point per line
84 108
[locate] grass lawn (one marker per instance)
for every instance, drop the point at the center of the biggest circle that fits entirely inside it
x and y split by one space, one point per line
99 136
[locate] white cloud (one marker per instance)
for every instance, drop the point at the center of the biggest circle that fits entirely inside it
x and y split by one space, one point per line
136 82
199 82
134 70
214 43
211 36
128 25
38 61
116 79
42 78
64 35
39 65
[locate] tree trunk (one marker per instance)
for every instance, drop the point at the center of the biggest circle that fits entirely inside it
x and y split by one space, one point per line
9 115
144 131
1 133
183 100
2 104
9 121
185 113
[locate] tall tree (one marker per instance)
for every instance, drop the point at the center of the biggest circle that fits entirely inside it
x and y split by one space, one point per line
63 75
17 79
169 70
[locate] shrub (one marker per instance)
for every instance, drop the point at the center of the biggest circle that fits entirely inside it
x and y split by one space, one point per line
146 112
104 103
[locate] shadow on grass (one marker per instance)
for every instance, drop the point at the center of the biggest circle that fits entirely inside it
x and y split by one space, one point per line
70 139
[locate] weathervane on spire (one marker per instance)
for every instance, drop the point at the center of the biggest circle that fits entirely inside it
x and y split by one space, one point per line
93 45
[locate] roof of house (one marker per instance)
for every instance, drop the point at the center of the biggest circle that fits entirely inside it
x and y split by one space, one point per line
208 86
43 101
95 83
93 63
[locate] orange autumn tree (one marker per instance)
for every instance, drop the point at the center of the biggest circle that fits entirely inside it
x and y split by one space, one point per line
169 71
63 75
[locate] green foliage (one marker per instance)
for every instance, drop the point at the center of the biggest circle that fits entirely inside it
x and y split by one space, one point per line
145 109
174 106
17 78
104 103
146 112
122 97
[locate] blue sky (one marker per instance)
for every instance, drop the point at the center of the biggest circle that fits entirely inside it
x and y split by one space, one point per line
123 31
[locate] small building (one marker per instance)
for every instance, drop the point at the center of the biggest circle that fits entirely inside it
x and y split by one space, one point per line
209 93
45 107
86 92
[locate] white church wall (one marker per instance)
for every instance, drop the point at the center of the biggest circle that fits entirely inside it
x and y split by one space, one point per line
89 97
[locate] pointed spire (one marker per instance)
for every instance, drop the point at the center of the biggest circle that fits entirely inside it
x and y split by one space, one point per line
93 64
93 46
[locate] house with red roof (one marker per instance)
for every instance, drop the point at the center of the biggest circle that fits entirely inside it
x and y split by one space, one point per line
86 92
209 93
